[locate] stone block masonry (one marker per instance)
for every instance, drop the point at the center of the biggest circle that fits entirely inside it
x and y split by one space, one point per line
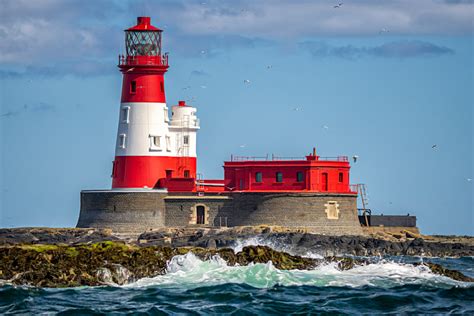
122 211
329 213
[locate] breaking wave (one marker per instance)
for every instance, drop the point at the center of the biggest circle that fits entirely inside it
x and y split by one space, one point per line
191 272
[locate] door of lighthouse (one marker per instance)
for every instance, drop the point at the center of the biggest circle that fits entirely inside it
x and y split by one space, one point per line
200 212
324 181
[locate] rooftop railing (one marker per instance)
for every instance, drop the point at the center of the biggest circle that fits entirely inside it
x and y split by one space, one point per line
280 158
143 60
185 123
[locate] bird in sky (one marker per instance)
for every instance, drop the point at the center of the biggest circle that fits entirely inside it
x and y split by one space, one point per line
355 157
297 109
242 146
203 87
468 179
269 66
325 127
383 30
434 146
338 5
247 81
203 52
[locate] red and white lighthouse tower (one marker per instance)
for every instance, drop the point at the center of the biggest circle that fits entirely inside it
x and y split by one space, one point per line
150 147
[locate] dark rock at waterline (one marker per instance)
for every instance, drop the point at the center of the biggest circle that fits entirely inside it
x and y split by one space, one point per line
120 263
294 242
44 235
302 243
453 274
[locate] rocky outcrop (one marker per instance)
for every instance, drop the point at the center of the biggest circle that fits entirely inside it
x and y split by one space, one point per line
120 263
294 241
300 243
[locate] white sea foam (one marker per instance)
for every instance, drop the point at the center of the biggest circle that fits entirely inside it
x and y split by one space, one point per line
190 272
259 241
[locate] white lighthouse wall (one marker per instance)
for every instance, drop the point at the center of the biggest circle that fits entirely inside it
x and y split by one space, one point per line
184 123
139 122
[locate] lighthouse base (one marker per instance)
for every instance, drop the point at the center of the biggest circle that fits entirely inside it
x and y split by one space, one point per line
139 211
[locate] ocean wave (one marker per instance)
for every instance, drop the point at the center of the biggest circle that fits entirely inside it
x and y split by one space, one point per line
189 271
278 246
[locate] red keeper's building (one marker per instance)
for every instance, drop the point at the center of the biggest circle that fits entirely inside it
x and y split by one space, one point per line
313 174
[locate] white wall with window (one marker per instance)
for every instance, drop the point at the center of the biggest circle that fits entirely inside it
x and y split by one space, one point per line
150 132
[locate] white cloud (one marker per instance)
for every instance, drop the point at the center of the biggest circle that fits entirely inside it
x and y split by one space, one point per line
280 19
43 33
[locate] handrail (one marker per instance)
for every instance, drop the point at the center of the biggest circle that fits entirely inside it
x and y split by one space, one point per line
143 60
277 158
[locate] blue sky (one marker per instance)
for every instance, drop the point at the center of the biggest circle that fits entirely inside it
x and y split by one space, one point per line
382 80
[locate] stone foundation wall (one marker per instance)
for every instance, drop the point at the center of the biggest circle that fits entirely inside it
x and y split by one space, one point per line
332 214
122 211
319 213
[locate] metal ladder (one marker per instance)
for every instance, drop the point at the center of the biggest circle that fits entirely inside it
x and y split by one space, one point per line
199 186
362 191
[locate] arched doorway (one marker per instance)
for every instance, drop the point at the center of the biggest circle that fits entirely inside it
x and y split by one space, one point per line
200 213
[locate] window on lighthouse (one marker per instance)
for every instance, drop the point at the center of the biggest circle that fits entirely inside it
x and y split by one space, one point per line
165 110
126 114
168 143
155 142
133 87
122 140
186 140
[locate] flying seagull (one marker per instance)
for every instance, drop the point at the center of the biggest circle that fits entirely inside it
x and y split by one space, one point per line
434 146
338 5
297 109
246 81
242 146
325 127
384 30
355 157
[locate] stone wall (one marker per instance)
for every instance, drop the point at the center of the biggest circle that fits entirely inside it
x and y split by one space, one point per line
333 214
320 213
122 211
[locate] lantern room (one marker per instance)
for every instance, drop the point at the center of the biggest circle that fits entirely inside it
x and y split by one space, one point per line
143 39
143 45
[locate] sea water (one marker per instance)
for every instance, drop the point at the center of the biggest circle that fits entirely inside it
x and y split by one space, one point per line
192 286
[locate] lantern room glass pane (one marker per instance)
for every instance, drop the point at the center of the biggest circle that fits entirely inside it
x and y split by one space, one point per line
143 43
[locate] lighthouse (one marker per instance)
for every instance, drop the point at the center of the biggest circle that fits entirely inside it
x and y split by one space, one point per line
150 147
154 179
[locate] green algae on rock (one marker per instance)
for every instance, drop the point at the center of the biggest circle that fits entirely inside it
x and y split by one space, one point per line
120 263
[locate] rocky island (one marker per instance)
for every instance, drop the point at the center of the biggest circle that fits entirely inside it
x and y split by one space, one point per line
49 257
